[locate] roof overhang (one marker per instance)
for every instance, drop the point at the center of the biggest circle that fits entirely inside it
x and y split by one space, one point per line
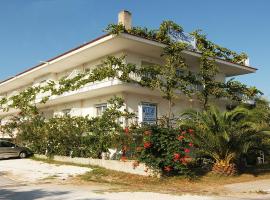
108 45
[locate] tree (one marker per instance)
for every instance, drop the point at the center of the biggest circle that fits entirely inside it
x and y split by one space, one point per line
206 78
61 135
170 79
224 136
166 77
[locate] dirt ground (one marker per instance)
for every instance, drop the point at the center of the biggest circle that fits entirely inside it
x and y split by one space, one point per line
58 180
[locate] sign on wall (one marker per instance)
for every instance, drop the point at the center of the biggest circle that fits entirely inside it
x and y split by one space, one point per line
183 37
147 113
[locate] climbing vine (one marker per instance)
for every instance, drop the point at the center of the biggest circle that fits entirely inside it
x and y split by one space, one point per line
173 76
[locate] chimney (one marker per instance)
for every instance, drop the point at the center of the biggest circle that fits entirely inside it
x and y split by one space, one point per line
124 17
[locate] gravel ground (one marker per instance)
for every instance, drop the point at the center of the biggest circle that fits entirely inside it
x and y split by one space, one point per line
32 171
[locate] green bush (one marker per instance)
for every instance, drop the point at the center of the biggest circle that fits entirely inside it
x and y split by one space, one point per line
72 135
165 150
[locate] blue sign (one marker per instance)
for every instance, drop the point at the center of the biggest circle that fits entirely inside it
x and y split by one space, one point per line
183 37
149 113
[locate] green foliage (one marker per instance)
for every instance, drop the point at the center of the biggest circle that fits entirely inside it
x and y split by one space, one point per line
165 149
166 34
161 35
221 135
217 51
174 75
115 28
205 79
65 135
225 136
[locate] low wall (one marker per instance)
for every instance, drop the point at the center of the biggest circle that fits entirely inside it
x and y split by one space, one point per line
122 166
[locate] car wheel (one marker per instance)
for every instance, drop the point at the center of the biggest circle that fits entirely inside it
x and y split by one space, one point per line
22 155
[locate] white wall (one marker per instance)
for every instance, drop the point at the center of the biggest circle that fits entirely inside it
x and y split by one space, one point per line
82 107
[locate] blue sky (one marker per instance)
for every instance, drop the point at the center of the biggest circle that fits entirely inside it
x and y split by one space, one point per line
36 30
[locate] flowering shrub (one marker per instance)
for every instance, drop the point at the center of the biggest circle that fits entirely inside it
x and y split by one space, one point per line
165 150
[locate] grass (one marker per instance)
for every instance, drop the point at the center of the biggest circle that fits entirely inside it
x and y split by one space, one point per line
208 184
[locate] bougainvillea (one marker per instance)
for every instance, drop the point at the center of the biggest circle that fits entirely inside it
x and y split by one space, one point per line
165 150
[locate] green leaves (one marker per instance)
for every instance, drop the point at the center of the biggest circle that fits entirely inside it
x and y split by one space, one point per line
162 151
168 78
216 51
222 134
63 135
115 29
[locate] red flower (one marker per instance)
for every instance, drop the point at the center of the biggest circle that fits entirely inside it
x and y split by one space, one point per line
184 132
148 132
126 130
176 156
190 130
180 137
187 150
190 144
147 145
167 168
184 160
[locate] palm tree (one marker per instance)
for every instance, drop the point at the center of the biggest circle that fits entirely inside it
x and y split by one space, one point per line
224 136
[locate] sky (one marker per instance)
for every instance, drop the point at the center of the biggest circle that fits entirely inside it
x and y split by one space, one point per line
36 30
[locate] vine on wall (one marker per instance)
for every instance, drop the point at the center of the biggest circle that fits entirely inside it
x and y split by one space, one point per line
174 75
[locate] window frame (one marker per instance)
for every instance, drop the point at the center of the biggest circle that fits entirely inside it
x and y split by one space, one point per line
100 106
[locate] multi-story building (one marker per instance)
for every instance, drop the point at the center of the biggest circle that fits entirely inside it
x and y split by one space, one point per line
91 99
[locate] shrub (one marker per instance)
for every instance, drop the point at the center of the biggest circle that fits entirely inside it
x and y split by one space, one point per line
165 150
72 135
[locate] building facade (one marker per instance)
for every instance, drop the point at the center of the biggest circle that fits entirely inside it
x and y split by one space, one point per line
91 99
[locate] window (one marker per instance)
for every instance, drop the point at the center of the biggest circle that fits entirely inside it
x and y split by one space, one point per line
101 108
6 144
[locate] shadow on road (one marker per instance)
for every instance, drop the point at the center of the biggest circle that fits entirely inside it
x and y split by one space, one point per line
12 194
8 194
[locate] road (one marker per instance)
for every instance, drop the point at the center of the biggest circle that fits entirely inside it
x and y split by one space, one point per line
28 189
13 190
4 181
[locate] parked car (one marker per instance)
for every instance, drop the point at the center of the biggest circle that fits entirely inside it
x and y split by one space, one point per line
9 150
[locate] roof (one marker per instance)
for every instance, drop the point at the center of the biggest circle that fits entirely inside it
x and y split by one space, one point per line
99 38
58 56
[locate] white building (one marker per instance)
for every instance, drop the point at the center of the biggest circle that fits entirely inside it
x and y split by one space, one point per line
91 99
